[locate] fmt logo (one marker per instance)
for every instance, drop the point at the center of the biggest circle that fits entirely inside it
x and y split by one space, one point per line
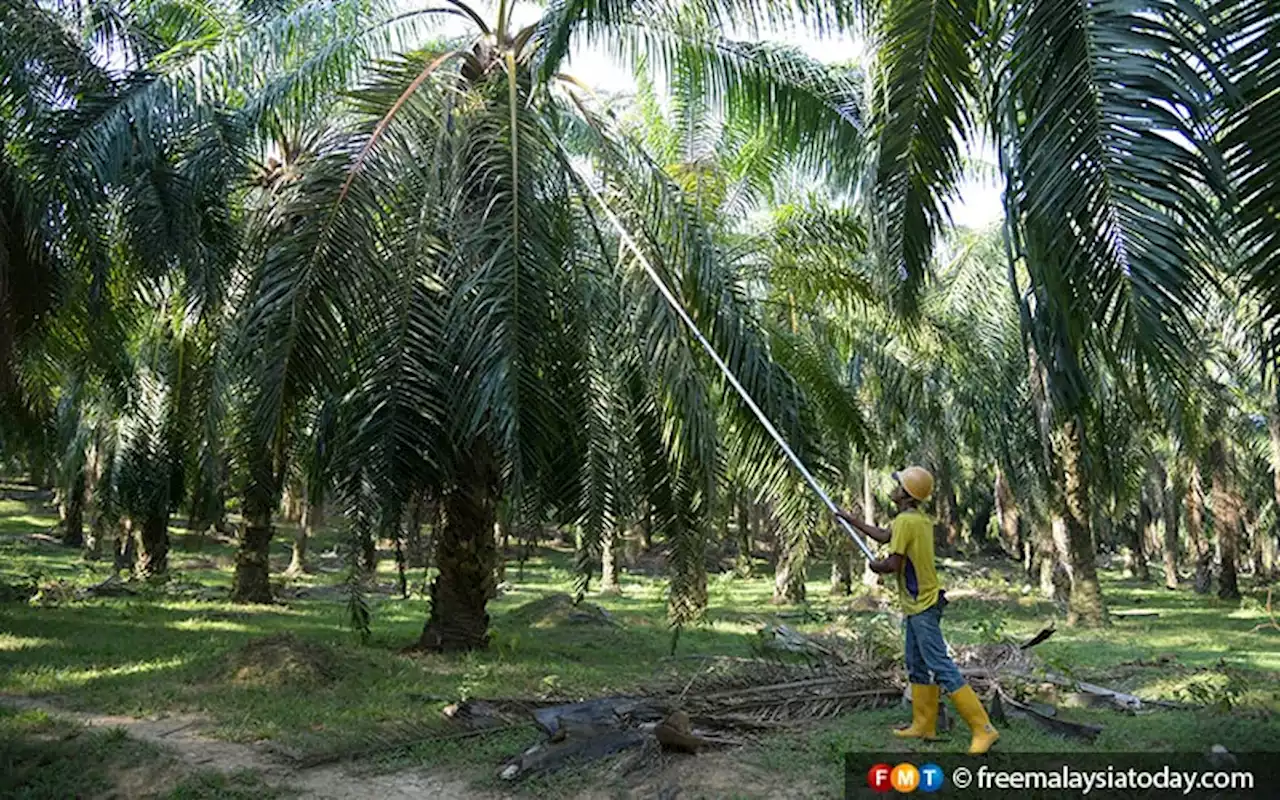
878 777
905 778
930 778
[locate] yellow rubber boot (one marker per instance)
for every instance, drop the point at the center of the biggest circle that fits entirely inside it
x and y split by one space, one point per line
924 712
975 716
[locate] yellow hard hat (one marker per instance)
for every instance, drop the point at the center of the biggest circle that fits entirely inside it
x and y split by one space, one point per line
917 481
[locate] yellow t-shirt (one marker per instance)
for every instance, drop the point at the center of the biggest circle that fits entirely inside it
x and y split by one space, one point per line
911 536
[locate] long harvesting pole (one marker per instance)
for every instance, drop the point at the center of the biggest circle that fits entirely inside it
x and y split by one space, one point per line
724 368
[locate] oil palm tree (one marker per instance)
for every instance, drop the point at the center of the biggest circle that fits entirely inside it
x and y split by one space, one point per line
470 262
148 117
1118 118
128 203
799 255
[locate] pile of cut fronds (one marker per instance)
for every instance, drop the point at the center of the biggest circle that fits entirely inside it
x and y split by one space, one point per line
763 694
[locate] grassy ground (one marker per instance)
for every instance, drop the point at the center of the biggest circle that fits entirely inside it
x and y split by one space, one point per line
165 650
44 757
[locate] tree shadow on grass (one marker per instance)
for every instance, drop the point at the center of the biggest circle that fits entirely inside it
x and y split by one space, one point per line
120 648
47 758
138 657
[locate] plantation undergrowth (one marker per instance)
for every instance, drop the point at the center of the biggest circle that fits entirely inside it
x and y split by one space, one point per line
170 649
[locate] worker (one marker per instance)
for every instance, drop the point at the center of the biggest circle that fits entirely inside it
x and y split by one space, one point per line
910 540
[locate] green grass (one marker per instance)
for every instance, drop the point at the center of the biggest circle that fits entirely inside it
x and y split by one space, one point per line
165 652
245 785
18 517
42 757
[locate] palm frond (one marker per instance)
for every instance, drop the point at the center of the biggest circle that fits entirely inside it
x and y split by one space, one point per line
1111 178
821 380
143 459
569 21
811 110
921 95
1250 143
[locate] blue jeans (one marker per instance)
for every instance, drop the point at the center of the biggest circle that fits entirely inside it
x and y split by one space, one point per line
927 652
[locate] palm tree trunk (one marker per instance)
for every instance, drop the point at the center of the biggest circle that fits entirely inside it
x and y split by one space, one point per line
73 512
841 561
1268 539
126 545
1172 512
1007 514
609 561
1137 535
41 469
981 521
252 582
293 504
1055 574
1086 607
1029 550
1267 557
219 522
1047 559
762 531
842 572
466 556
788 571
1195 531
647 530
1255 538
96 530
1273 428
500 537
1226 519
788 578
1040 552
152 535
1063 452
947 528
92 505
744 535
1104 526
402 570
1228 547
415 543
306 530
369 551
1170 548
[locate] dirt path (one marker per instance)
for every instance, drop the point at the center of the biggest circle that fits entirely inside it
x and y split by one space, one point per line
180 734
707 776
